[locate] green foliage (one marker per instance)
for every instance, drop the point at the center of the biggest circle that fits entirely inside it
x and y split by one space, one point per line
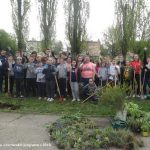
114 96
75 131
6 40
137 119
77 14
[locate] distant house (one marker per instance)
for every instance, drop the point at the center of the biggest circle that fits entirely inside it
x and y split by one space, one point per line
93 48
33 45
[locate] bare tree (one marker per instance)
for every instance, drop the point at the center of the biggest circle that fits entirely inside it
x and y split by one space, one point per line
20 9
47 12
77 13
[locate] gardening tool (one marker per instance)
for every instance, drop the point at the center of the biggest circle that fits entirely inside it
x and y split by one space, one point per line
96 91
134 89
60 97
8 88
142 94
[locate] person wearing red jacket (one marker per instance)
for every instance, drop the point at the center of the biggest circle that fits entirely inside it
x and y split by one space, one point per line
136 65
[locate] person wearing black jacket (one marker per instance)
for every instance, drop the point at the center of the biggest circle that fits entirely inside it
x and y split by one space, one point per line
146 74
50 72
3 71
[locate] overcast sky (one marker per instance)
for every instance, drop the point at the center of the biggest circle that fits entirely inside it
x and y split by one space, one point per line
101 17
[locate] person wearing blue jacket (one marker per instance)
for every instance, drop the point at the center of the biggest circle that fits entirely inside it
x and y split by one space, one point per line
19 77
50 72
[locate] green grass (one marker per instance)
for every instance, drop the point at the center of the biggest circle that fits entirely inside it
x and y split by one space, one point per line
34 105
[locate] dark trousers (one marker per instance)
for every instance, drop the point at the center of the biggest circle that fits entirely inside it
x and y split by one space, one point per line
31 87
11 83
62 86
41 89
146 86
137 80
50 88
2 78
19 86
85 81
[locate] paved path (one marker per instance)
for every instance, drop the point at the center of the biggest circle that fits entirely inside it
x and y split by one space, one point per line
25 129
30 129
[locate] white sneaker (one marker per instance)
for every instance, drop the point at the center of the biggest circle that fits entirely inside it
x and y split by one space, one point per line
39 98
78 100
138 96
45 98
49 99
73 100
64 99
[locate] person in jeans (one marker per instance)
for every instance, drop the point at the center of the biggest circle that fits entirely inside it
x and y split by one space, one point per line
19 77
74 76
50 72
62 78
40 80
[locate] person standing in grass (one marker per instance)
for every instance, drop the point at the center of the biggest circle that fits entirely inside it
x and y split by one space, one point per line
103 75
62 78
31 77
50 72
19 77
11 63
40 80
74 78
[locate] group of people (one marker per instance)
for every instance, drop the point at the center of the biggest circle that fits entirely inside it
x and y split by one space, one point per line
46 76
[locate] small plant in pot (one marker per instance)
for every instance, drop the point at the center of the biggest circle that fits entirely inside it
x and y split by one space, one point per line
145 129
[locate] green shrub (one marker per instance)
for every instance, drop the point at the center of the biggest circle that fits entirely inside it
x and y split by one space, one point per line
114 96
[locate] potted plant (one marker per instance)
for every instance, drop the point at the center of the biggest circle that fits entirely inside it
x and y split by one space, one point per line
145 129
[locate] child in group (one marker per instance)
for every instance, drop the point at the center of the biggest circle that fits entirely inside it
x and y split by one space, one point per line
136 65
31 77
62 78
74 76
113 72
50 73
40 79
103 75
11 76
90 89
19 77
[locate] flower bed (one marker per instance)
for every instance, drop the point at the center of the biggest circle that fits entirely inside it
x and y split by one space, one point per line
78 132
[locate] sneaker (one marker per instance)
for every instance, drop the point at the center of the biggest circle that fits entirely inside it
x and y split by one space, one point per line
64 99
45 98
138 96
21 96
78 100
51 99
39 98
133 96
145 96
73 100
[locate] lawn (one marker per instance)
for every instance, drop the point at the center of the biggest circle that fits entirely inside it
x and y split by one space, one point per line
34 105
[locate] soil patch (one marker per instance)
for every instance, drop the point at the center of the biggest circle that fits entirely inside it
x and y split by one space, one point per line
9 106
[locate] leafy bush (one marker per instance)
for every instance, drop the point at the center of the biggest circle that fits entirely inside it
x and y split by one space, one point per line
114 96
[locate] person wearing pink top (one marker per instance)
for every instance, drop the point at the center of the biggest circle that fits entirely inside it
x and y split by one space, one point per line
87 70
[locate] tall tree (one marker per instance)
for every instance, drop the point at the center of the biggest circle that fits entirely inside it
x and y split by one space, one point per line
130 23
47 10
20 9
77 13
